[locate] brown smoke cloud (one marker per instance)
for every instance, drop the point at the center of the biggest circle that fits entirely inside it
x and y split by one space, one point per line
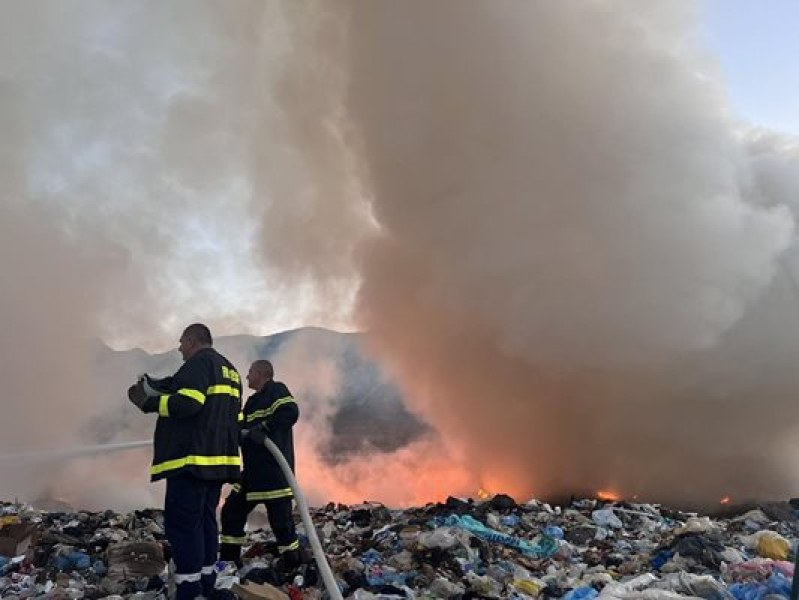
579 267
48 307
571 230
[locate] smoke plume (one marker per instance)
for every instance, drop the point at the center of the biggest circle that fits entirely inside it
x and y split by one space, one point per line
572 227
575 261
151 162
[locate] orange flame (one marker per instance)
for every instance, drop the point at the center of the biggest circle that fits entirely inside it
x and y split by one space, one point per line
483 494
725 500
608 495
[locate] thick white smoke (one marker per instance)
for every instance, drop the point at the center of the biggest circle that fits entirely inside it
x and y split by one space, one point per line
150 168
576 262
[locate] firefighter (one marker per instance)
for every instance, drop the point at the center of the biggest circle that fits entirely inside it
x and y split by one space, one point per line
195 449
271 411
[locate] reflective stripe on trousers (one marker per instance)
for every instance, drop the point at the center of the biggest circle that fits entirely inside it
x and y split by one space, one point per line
295 545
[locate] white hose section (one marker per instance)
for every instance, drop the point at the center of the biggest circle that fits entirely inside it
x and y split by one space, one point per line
75 452
310 530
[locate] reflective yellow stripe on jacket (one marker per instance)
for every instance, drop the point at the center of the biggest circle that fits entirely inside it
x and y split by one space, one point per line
201 461
265 412
163 401
193 394
223 389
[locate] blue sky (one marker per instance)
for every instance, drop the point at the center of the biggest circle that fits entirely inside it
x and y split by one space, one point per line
757 44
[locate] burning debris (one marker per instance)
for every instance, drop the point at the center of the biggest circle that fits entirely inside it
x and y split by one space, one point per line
486 548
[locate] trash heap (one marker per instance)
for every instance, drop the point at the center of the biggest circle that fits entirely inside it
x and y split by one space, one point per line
460 549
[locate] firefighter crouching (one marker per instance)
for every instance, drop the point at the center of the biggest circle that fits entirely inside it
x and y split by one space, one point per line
271 411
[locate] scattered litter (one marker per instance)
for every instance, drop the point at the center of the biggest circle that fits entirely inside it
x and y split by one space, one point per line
458 549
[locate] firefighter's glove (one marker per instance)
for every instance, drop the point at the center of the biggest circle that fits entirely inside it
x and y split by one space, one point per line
137 395
258 434
152 387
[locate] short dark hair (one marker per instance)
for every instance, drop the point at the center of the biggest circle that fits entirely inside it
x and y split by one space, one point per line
265 367
199 333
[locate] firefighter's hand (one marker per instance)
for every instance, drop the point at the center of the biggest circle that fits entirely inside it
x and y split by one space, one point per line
258 434
150 386
136 394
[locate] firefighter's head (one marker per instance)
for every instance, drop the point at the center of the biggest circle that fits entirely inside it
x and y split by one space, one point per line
195 337
260 373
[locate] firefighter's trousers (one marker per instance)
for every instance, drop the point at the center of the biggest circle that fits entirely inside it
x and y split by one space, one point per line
234 518
191 528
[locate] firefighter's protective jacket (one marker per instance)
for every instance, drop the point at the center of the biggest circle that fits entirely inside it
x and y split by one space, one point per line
262 478
198 420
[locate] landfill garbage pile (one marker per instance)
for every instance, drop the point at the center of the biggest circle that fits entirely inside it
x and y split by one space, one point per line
460 549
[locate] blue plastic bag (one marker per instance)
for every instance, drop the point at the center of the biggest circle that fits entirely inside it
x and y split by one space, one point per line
371 557
777 585
72 561
661 558
581 593
510 520
544 549
99 567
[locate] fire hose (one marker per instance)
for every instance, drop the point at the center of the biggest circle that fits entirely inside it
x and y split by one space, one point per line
321 561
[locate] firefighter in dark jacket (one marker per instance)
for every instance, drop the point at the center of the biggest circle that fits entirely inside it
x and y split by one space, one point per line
196 450
273 411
